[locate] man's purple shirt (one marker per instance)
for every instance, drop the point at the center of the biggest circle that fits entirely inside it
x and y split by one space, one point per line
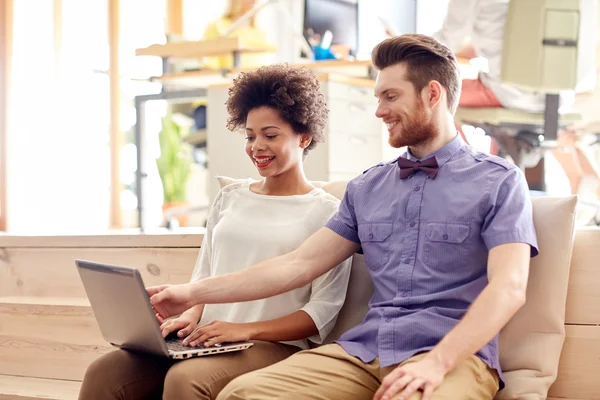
426 244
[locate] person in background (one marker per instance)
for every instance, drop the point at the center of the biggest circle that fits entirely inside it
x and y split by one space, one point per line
578 160
249 31
447 234
283 114
475 28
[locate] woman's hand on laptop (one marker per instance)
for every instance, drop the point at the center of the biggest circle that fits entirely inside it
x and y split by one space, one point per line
170 300
217 332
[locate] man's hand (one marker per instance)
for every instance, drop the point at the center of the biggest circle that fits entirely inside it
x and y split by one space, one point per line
216 332
170 300
184 324
467 52
425 375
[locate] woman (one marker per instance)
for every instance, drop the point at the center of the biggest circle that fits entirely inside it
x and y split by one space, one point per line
283 114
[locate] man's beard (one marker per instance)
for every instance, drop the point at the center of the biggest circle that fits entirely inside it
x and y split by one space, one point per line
416 130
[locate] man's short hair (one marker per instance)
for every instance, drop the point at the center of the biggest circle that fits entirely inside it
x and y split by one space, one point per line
426 60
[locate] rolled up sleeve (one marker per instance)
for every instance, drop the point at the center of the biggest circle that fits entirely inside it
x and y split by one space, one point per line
510 215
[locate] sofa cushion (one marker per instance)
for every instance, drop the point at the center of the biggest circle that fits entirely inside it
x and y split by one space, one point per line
225 180
360 285
531 343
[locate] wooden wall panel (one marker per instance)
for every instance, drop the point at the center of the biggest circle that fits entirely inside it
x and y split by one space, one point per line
48 341
52 272
579 369
583 298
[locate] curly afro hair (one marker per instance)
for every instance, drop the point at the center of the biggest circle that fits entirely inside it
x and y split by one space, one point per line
292 91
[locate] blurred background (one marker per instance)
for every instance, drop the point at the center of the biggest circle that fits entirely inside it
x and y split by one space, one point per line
112 111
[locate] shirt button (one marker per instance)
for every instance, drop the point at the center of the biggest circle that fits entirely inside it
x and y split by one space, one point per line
387 319
404 294
407 261
417 188
370 236
445 236
412 224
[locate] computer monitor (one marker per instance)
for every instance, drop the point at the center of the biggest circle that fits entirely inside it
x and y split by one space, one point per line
338 16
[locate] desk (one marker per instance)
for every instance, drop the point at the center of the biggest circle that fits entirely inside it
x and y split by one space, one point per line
356 68
206 77
206 48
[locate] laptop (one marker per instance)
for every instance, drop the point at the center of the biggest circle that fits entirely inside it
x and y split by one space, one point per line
126 318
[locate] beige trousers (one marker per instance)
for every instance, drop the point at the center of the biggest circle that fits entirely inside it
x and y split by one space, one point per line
329 373
125 375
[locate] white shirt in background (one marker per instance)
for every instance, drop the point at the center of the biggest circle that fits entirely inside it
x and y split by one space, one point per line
484 20
245 228
588 103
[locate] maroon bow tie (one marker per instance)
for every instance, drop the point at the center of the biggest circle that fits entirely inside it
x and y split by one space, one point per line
407 168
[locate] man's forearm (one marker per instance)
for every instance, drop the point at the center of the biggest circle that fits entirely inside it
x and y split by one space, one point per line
488 314
195 312
321 252
268 278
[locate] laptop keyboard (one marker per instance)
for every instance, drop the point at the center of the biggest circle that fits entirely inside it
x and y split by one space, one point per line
176 344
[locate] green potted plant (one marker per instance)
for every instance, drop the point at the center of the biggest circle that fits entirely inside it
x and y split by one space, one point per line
174 165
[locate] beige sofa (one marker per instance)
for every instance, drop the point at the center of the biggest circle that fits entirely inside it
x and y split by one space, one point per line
48 335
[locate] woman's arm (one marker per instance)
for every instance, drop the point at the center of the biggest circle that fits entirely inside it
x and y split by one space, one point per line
295 326
315 320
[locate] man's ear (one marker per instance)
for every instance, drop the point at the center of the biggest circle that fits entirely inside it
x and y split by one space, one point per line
305 141
433 93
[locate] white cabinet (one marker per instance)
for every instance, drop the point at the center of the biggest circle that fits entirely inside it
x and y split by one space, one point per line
354 138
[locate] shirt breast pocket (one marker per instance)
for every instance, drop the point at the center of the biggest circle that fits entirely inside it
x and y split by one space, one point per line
375 242
445 245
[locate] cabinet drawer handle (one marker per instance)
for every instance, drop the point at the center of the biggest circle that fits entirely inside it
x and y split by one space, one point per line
358 90
354 107
357 140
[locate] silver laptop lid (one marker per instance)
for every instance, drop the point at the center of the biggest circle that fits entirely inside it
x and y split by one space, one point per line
122 307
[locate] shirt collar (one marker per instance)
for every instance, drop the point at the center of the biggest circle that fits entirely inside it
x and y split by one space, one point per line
443 154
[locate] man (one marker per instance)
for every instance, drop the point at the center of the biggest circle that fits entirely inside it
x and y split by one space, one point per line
447 234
